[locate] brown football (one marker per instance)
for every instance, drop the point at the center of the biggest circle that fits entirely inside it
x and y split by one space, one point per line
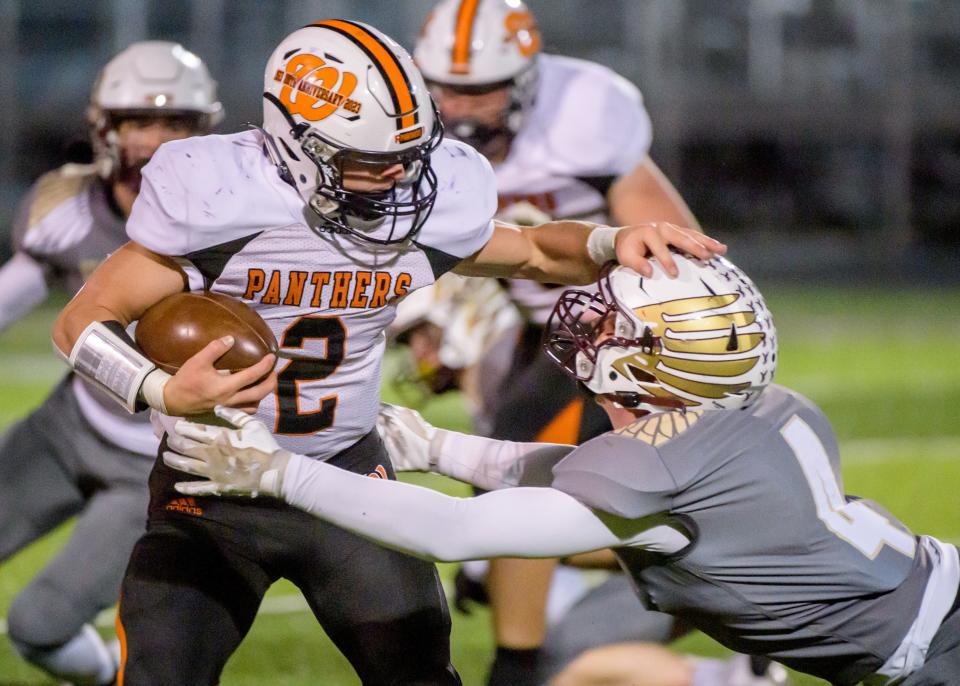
181 325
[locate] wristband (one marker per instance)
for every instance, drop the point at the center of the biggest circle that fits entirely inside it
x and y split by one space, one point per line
601 243
151 390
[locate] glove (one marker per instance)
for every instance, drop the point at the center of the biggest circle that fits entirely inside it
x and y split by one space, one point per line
410 441
242 458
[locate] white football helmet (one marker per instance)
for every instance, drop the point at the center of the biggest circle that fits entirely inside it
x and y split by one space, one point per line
704 340
340 91
149 79
477 46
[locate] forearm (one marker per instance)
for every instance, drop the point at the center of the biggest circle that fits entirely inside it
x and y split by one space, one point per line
23 286
491 464
555 252
121 289
647 195
520 522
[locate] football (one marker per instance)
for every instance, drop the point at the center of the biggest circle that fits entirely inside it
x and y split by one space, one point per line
181 325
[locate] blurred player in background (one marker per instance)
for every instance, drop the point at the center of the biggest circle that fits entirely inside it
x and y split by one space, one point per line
78 453
567 139
720 491
345 201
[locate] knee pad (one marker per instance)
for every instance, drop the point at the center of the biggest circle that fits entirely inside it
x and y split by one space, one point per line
83 660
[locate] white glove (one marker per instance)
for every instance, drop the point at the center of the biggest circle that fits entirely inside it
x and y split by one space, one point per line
244 460
410 441
524 213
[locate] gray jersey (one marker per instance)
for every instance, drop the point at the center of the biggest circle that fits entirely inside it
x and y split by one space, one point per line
759 547
66 224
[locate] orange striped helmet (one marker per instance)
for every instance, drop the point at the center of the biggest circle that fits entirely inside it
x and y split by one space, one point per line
474 46
338 91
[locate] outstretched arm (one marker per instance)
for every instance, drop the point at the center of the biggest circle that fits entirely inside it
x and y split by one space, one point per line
519 522
415 445
571 252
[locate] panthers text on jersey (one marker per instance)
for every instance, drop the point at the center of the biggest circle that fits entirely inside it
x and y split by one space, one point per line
66 226
217 205
587 127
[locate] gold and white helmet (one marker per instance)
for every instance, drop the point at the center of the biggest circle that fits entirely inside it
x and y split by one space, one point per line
704 340
476 46
149 79
341 91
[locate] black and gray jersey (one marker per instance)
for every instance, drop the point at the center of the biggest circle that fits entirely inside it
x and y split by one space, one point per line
757 544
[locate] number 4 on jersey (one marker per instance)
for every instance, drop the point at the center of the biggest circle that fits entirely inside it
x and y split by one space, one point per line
291 419
855 522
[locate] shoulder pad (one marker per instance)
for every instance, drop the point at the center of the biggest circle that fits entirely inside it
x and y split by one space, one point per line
593 120
56 211
204 191
462 219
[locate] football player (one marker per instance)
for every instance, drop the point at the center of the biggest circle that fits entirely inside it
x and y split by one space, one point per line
567 138
345 201
704 448
78 453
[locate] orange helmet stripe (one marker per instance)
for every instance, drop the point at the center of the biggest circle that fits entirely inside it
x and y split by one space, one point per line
387 64
460 54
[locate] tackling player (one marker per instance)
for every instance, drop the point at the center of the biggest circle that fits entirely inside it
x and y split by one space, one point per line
703 449
567 139
78 453
345 201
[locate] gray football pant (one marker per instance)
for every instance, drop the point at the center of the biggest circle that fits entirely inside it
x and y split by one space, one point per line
609 613
53 466
942 666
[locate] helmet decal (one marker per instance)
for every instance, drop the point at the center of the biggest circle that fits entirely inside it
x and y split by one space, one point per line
398 83
522 30
704 340
463 37
314 89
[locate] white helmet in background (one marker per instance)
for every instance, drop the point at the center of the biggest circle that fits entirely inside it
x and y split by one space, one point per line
476 46
702 341
340 91
149 79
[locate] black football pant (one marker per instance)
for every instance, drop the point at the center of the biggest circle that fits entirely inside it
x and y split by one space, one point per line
196 579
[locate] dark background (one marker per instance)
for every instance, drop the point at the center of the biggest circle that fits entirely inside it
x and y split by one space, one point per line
821 138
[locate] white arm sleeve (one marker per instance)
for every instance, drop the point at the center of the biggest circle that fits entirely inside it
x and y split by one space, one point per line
519 522
23 286
491 464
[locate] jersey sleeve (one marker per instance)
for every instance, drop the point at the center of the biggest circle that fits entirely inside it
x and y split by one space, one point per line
618 475
201 192
55 213
602 127
462 219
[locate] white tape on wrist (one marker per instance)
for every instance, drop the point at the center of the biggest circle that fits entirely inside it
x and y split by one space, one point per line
107 361
152 389
601 243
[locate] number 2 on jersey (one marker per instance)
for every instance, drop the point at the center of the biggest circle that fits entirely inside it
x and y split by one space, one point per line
291 419
855 522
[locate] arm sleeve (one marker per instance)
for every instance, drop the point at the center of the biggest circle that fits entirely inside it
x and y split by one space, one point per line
23 286
491 464
519 522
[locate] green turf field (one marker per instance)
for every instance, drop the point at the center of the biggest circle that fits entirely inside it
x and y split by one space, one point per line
884 365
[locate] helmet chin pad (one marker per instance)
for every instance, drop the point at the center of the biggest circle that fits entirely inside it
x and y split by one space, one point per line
479 135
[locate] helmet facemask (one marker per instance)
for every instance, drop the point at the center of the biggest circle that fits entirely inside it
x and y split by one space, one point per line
371 216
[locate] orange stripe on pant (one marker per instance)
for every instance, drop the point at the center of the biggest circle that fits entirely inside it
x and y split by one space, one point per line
122 637
396 80
565 426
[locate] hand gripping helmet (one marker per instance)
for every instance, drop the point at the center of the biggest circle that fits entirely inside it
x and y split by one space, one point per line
339 92
477 46
704 340
149 78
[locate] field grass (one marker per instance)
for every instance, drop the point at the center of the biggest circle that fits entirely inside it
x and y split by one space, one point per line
885 366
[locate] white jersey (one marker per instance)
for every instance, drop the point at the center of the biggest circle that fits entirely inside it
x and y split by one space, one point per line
218 205
588 126
63 229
